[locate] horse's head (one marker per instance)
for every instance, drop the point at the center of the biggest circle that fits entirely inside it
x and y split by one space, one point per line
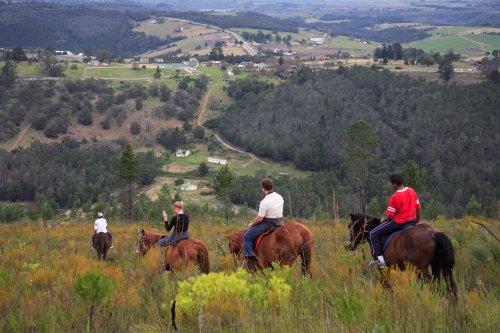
360 226
146 241
235 242
141 249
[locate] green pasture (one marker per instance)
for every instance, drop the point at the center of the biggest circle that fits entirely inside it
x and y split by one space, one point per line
344 42
493 41
447 30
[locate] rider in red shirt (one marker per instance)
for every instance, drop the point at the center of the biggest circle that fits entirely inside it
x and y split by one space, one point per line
404 208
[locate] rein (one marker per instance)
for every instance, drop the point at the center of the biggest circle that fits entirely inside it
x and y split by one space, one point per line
362 231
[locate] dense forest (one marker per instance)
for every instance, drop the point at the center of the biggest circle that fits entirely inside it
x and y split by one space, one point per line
71 28
238 20
67 174
451 131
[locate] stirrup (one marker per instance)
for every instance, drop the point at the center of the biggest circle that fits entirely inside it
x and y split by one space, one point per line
376 263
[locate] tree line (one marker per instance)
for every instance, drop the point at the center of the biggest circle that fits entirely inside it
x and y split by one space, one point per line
69 174
238 20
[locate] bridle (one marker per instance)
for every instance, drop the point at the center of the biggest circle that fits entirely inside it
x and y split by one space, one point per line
360 233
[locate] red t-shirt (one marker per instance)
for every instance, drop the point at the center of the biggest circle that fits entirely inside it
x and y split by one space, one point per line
403 205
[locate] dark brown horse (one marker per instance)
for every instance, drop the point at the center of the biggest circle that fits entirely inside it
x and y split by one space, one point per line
186 253
421 246
282 246
101 242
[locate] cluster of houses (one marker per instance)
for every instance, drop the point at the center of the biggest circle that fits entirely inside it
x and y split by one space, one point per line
185 153
192 62
215 160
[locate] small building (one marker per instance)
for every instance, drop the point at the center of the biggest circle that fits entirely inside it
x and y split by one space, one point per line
193 62
317 40
216 160
145 60
262 66
158 60
128 60
182 153
246 64
188 187
216 63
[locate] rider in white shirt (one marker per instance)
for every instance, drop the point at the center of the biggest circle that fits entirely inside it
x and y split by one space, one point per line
100 225
270 216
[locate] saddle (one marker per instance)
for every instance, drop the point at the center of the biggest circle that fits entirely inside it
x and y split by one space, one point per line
266 233
386 240
178 240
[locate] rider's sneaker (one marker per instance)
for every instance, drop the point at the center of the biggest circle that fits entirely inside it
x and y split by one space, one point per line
376 263
112 246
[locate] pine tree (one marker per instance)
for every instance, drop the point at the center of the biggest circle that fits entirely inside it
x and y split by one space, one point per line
473 207
413 175
361 146
223 182
128 169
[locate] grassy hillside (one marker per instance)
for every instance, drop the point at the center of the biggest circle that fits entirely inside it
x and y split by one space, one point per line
39 266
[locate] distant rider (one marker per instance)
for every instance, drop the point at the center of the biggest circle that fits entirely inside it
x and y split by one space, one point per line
180 223
270 215
100 225
404 208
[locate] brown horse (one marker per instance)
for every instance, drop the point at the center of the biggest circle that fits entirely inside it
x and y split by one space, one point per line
421 246
187 252
101 242
282 246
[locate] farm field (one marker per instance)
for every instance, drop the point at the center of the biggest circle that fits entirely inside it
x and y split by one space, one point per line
167 27
200 38
468 41
40 264
332 45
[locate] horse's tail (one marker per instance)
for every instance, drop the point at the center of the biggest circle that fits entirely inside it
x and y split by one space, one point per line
444 260
202 257
306 250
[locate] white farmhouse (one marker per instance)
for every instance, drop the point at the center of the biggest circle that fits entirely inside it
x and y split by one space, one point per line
317 40
216 160
188 187
182 153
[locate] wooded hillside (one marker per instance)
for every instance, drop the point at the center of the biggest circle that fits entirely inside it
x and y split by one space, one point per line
71 28
451 131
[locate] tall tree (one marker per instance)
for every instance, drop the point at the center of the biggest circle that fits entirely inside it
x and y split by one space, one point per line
128 169
8 74
223 182
361 146
446 70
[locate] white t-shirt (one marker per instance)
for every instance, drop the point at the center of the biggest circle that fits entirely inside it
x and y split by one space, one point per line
271 206
100 225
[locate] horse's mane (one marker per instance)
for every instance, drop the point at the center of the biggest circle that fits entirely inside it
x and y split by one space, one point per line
151 236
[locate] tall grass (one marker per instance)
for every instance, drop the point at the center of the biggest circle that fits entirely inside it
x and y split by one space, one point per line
39 265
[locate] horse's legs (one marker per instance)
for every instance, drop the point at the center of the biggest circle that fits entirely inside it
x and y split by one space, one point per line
305 256
424 274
